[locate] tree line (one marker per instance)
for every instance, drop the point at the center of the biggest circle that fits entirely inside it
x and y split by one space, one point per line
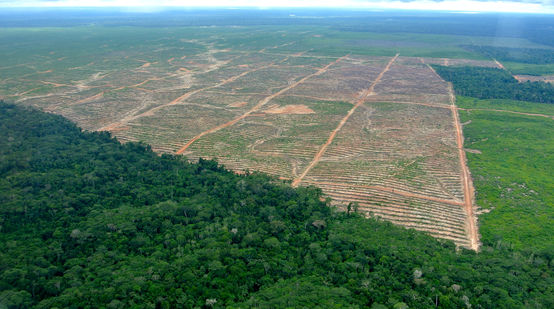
492 83
87 222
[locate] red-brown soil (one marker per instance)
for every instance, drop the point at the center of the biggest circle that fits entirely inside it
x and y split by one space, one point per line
299 109
238 104
505 111
473 233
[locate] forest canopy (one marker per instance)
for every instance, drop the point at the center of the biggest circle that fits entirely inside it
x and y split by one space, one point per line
491 83
88 222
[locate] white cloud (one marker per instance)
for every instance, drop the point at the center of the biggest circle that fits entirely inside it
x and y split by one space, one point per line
525 6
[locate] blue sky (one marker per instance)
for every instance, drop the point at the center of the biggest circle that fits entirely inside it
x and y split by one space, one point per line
523 6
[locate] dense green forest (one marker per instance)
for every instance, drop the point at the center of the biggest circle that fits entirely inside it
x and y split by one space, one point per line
490 83
87 222
524 55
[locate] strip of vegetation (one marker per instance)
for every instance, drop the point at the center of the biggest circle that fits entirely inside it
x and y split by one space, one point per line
518 68
525 61
490 83
512 173
523 55
88 222
506 105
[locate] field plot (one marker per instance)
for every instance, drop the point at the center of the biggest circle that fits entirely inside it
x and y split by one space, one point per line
376 130
280 139
397 161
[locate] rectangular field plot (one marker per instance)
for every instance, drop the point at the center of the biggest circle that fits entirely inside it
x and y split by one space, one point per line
344 81
413 82
407 151
168 128
280 139
267 80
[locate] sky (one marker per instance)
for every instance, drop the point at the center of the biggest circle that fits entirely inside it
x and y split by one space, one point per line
463 6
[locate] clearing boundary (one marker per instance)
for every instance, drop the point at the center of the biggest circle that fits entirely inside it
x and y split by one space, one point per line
469 191
472 229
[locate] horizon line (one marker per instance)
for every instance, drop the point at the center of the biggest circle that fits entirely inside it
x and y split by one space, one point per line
161 8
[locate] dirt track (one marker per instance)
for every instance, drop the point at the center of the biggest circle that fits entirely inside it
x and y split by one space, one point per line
299 109
94 97
257 107
472 230
413 103
505 111
360 101
500 66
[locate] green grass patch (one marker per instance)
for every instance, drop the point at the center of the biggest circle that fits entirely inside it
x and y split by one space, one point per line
512 175
504 104
518 68
409 169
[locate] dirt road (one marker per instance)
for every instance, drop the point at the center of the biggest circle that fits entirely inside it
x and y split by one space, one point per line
91 98
472 230
258 106
505 111
438 105
500 66
360 101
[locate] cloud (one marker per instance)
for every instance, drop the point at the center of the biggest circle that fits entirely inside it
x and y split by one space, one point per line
523 6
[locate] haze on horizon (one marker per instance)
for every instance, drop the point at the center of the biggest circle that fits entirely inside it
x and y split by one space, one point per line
464 6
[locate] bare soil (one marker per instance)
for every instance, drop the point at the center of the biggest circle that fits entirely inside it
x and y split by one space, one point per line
469 192
290 109
238 104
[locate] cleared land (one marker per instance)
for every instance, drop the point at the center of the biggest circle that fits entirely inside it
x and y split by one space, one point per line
378 130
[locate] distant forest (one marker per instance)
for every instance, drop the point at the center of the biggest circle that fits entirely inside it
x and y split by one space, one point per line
88 222
536 28
492 83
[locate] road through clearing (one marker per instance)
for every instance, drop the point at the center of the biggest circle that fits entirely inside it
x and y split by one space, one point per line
258 106
500 66
360 101
473 233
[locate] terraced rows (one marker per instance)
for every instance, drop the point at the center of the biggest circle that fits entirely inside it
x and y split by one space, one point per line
407 145
343 82
439 219
279 144
412 80
383 174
